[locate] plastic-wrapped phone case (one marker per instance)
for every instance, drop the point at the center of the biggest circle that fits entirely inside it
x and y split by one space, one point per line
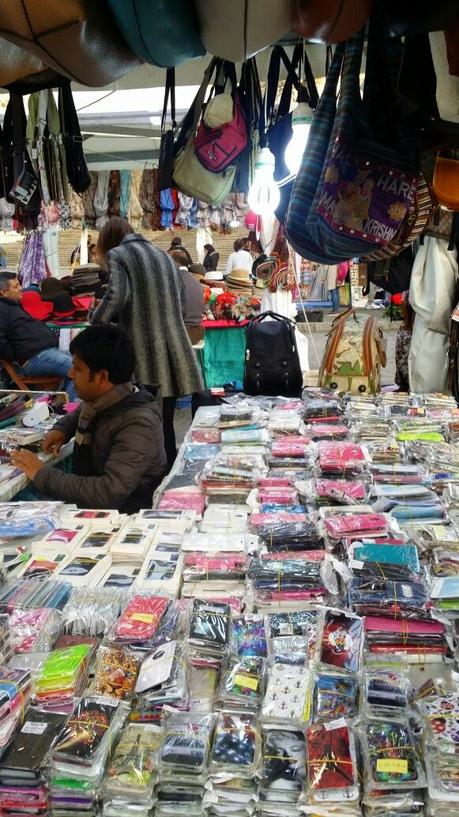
87 732
242 684
132 768
334 696
284 762
332 767
236 744
340 641
186 743
286 694
115 673
392 756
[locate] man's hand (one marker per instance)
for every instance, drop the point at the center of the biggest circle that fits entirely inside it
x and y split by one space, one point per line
53 441
27 462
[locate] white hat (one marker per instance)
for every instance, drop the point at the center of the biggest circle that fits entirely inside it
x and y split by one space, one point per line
214 276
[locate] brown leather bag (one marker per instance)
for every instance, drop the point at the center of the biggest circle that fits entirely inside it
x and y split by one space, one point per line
330 21
77 38
16 63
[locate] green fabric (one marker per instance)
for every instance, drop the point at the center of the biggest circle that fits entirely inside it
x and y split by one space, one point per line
223 356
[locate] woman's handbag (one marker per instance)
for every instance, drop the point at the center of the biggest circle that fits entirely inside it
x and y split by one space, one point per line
240 28
189 175
166 147
366 187
161 32
445 183
330 21
77 38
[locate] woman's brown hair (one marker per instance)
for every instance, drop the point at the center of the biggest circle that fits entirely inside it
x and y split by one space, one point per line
112 234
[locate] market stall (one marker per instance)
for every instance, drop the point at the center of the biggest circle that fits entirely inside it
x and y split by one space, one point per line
292 593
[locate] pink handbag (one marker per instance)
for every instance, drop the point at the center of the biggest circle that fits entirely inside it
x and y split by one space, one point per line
217 148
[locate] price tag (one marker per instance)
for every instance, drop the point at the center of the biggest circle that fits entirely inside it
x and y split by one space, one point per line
145 618
31 728
246 681
392 766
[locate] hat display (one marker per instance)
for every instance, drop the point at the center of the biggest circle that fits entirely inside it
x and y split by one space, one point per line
214 275
239 278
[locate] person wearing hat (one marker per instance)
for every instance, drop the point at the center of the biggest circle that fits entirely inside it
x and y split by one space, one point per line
192 293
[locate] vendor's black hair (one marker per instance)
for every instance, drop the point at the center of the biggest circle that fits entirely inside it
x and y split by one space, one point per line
5 277
106 347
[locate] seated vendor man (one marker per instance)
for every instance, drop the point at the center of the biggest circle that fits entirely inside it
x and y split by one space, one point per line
119 456
27 341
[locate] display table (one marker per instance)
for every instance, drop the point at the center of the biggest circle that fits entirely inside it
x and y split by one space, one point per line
224 352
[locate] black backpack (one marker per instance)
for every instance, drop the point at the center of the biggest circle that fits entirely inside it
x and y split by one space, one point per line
272 365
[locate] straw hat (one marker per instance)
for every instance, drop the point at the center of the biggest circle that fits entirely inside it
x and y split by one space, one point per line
239 279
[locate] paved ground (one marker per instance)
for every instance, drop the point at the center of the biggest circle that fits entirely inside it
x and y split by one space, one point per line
317 341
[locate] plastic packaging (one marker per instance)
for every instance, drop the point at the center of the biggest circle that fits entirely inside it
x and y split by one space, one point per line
236 745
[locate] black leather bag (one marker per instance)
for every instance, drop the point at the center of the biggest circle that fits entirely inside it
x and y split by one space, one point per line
166 147
77 169
272 364
403 17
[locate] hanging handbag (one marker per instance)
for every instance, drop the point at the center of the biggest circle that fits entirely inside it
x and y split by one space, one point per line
238 30
279 131
367 186
16 63
160 32
218 147
272 364
330 21
251 101
189 175
447 91
77 169
78 38
166 146
445 183
403 17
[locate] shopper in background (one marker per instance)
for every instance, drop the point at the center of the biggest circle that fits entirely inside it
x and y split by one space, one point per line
402 346
176 244
143 296
211 258
240 258
27 341
118 457
192 296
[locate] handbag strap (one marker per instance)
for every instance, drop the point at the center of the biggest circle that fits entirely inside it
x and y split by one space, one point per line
350 101
70 126
190 122
169 91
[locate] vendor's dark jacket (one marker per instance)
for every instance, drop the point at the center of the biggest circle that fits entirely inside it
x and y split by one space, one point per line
126 463
22 337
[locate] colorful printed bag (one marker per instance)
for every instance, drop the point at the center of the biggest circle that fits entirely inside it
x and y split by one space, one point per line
353 356
366 188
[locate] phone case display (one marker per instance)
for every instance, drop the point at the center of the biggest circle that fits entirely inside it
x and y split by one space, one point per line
115 673
62 678
299 652
209 632
15 690
35 630
339 645
163 679
286 694
140 620
393 758
236 745
31 519
334 696
283 765
331 764
83 568
92 611
241 685
132 771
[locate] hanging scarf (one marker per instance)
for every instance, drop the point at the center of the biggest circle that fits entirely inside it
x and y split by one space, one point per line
101 198
32 266
88 413
125 188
